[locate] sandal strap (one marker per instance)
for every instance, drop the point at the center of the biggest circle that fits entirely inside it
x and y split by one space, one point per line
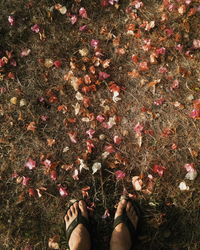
125 220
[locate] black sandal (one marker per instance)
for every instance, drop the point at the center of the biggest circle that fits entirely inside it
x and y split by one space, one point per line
78 220
124 219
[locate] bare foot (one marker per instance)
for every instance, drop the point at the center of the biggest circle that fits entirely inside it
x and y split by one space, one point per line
80 238
121 238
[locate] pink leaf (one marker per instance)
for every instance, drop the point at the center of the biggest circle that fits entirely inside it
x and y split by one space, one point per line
35 28
90 146
106 214
138 128
83 13
103 75
162 70
100 118
25 180
47 163
104 3
109 148
175 84
195 113
57 64
196 44
90 133
160 51
11 20
53 175
112 2
25 52
159 102
73 19
117 139
120 175
189 167
83 27
94 43
159 169
63 192
72 136
31 164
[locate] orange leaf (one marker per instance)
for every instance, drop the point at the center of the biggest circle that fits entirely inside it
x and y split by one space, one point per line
31 126
134 74
150 84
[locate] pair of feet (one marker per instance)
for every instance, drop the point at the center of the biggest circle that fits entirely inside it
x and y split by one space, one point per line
120 239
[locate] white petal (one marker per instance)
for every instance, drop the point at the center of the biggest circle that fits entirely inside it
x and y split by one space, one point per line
191 175
96 166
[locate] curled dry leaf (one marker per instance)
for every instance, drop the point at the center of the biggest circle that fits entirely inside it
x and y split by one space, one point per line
137 183
31 126
95 167
72 136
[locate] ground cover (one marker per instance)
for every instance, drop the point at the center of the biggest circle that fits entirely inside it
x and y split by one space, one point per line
99 99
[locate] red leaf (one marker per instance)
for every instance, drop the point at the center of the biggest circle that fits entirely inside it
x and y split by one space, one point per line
109 148
83 13
103 75
53 175
159 169
120 175
57 64
117 139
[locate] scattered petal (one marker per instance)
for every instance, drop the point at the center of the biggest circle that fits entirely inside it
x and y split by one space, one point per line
83 13
25 52
183 186
191 175
117 139
90 132
35 28
159 170
94 43
11 20
25 180
120 175
96 166
63 191
30 164
137 183
73 19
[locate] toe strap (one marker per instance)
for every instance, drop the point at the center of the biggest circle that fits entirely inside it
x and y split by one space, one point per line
79 220
125 220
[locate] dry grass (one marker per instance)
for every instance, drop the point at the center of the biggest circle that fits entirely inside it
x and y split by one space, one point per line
170 216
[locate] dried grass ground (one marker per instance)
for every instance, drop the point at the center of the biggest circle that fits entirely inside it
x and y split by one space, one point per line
170 137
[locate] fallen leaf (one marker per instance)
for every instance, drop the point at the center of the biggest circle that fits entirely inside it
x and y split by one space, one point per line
159 170
137 183
31 126
30 164
120 175
83 13
183 186
95 167
35 28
